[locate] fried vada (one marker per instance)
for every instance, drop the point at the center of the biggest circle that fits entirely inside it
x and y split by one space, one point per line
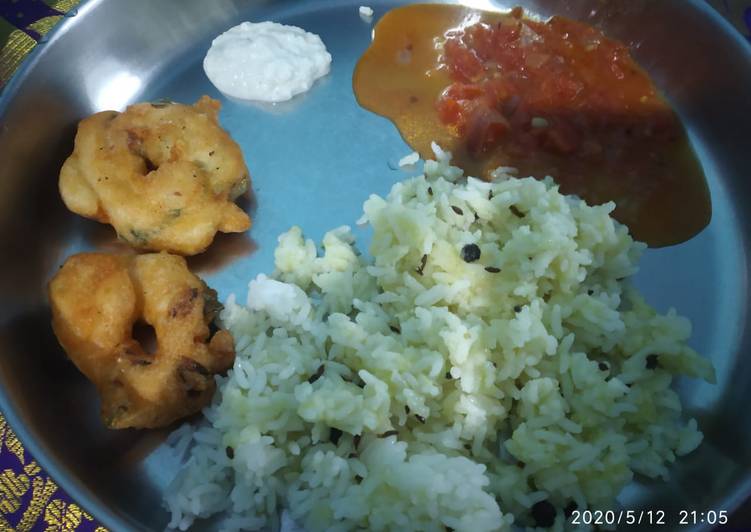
164 175
98 299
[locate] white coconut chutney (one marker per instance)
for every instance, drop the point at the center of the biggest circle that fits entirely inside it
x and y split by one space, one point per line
266 61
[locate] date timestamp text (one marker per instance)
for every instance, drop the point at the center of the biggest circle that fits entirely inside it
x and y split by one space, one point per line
647 517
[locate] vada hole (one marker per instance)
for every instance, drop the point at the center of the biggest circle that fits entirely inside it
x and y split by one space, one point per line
161 103
145 335
150 166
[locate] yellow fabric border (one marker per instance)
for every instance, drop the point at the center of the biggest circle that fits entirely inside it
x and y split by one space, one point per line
53 513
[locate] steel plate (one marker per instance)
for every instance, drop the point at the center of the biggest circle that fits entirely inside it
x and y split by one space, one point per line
314 161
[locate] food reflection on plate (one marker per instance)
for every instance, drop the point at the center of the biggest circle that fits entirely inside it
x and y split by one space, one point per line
488 363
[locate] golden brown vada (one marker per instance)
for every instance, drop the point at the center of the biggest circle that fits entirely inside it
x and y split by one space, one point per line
97 299
164 175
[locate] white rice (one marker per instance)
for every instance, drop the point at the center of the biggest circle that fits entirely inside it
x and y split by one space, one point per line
475 389
409 160
366 13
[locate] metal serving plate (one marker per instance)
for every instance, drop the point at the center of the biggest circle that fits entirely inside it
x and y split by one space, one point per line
313 162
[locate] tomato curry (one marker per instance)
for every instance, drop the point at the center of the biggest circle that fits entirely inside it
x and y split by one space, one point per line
551 98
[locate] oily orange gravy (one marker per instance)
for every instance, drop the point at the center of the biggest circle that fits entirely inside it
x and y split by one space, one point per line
549 98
